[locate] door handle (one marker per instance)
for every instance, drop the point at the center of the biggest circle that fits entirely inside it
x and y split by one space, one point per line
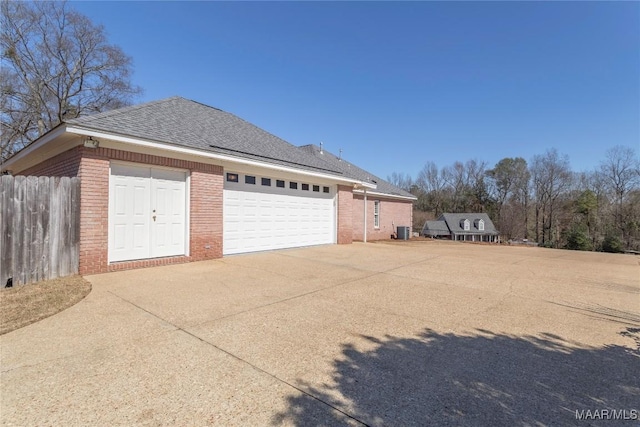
154 218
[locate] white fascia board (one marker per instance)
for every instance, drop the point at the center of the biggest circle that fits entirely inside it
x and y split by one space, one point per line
36 145
200 153
364 184
389 196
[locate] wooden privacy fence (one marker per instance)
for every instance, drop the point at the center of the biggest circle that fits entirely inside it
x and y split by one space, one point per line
39 222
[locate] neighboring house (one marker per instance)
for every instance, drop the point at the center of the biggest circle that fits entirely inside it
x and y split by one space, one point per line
175 181
473 227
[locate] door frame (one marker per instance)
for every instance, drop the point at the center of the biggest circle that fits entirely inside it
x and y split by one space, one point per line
187 196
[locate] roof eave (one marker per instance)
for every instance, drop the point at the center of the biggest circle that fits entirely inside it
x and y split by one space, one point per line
32 147
80 130
393 196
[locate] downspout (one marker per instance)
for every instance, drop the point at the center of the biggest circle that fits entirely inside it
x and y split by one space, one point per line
364 239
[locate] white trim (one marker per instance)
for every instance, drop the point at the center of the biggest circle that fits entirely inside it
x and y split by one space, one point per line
195 152
187 220
385 195
376 214
365 217
187 195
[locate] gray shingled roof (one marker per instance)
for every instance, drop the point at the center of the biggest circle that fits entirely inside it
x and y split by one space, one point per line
351 170
182 122
179 121
436 228
453 222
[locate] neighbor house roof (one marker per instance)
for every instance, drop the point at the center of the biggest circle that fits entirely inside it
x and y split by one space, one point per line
436 228
351 170
179 121
453 221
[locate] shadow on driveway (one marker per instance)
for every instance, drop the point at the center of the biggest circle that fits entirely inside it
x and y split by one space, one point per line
483 379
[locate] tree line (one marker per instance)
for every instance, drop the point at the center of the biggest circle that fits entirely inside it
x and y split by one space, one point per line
56 65
541 200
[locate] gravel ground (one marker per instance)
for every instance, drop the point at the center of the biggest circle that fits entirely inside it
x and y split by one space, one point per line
420 333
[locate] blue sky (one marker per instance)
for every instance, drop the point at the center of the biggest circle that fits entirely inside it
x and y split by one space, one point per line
398 84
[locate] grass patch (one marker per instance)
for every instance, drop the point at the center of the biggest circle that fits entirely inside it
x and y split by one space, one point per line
22 305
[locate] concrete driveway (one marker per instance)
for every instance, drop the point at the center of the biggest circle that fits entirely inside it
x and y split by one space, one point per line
419 333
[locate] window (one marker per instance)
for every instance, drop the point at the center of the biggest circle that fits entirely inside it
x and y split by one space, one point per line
305 187
279 183
293 185
249 179
232 177
376 214
266 182
325 189
466 225
481 225
316 188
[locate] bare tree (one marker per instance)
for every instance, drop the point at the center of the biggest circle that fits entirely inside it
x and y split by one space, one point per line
510 184
477 194
401 180
551 179
621 173
456 178
57 65
431 181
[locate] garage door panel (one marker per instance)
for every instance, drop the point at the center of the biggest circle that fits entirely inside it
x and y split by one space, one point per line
120 235
119 199
275 218
140 204
140 236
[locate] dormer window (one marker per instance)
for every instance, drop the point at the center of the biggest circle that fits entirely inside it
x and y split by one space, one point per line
481 225
465 224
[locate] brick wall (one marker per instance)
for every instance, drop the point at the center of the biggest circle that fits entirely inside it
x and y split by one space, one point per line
393 213
345 214
206 214
92 166
94 211
64 164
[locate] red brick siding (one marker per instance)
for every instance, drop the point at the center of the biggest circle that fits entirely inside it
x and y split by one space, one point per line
64 164
345 214
94 212
92 166
206 214
393 213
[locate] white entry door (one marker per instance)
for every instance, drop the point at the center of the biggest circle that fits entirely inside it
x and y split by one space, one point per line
147 212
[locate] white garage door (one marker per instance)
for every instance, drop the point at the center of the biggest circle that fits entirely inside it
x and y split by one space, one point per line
263 213
147 209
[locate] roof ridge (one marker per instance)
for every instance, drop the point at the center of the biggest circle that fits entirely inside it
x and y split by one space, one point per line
203 104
